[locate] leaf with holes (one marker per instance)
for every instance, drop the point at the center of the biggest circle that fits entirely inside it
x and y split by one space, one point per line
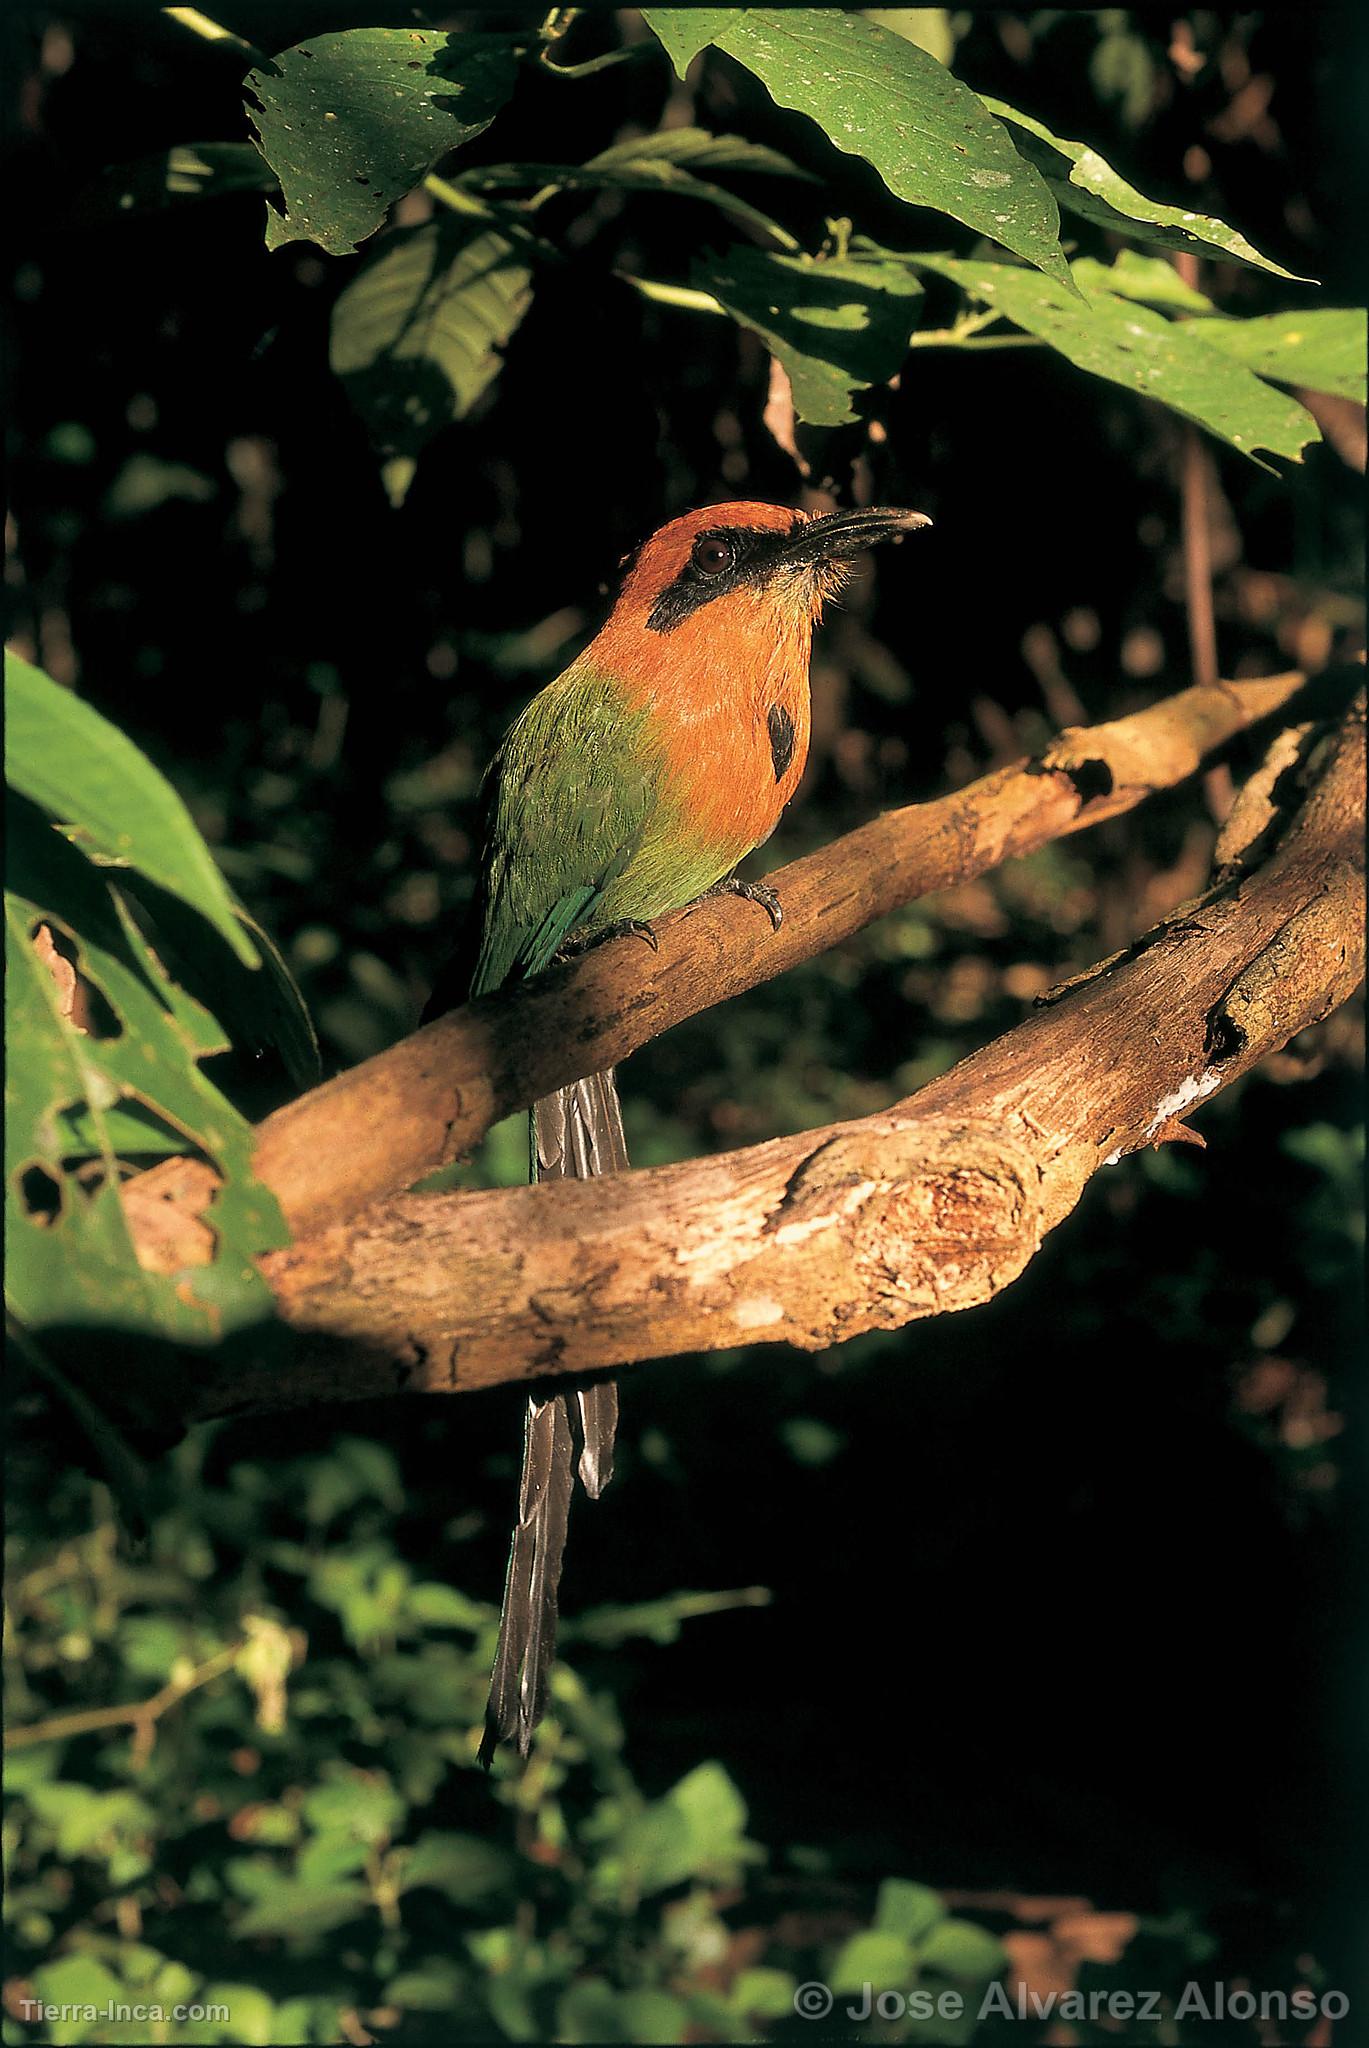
92 779
350 122
416 335
1132 346
78 1099
836 326
880 97
1322 350
1086 184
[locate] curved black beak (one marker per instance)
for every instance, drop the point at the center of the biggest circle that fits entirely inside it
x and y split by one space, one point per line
841 536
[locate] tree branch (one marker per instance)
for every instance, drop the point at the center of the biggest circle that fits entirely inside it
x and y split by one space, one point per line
935 1205
385 1123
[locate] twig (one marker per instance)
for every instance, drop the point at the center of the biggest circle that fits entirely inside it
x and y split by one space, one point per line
141 1715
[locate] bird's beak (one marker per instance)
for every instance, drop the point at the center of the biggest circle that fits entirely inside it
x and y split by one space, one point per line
841 536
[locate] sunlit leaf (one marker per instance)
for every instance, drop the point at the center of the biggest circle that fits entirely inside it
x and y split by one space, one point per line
1132 346
90 777
1086 184
1148 279
350 122
880 97
835 325
1321 350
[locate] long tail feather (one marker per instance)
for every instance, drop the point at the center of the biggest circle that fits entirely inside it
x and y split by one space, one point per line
576 1134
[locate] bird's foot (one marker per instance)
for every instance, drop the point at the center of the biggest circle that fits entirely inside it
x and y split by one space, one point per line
631 928
754 892
621 928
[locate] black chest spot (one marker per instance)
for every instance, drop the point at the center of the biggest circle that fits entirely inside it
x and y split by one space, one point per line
781 727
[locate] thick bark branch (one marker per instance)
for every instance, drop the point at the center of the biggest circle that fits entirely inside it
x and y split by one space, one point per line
934 1205
382 1125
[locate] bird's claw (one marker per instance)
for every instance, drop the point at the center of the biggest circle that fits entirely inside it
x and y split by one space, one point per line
755 892
633 928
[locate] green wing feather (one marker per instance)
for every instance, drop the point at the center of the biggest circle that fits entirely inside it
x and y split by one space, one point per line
574 789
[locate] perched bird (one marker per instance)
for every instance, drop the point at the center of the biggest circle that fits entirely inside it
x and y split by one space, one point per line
632 784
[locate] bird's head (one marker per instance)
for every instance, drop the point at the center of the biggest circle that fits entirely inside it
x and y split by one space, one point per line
743 567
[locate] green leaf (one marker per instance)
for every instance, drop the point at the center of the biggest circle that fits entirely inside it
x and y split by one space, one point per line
467 1870
880 97
695 149
416 335
1148 279
695 1831
836 325
1138 349
78 1265
351 121
74 1983
961 1949
90 777
1322 350
623 169
1087 185
294 1910
882 1960
907 1910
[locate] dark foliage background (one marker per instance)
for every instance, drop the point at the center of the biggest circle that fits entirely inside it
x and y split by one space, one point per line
1059 1594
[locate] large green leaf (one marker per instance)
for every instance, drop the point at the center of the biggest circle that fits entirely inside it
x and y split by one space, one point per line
1132 346
836 325
1086 184
350 122
416 335
74 1093
92 778
882 98
1322 350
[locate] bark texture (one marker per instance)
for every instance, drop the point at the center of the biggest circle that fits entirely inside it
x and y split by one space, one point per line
385 1123
934 1205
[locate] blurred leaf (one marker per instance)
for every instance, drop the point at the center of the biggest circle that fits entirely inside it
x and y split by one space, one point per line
882 1960
880 97
89 776
929 27
694 149
351 121
1086 183
907 1910
467 1871
416 335
835 325
962 1950
1147 278
75 1983
1132 346
190 170
1321 350
145 483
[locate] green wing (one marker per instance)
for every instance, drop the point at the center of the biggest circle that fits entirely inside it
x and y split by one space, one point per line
573 790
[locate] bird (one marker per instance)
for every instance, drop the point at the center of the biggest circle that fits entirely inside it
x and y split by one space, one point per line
632 784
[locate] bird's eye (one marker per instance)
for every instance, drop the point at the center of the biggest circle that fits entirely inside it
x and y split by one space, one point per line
714 556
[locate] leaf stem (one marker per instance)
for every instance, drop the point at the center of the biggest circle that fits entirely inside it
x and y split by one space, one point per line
214 32
672 294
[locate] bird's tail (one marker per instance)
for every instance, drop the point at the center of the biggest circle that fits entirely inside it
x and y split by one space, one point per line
576 1133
